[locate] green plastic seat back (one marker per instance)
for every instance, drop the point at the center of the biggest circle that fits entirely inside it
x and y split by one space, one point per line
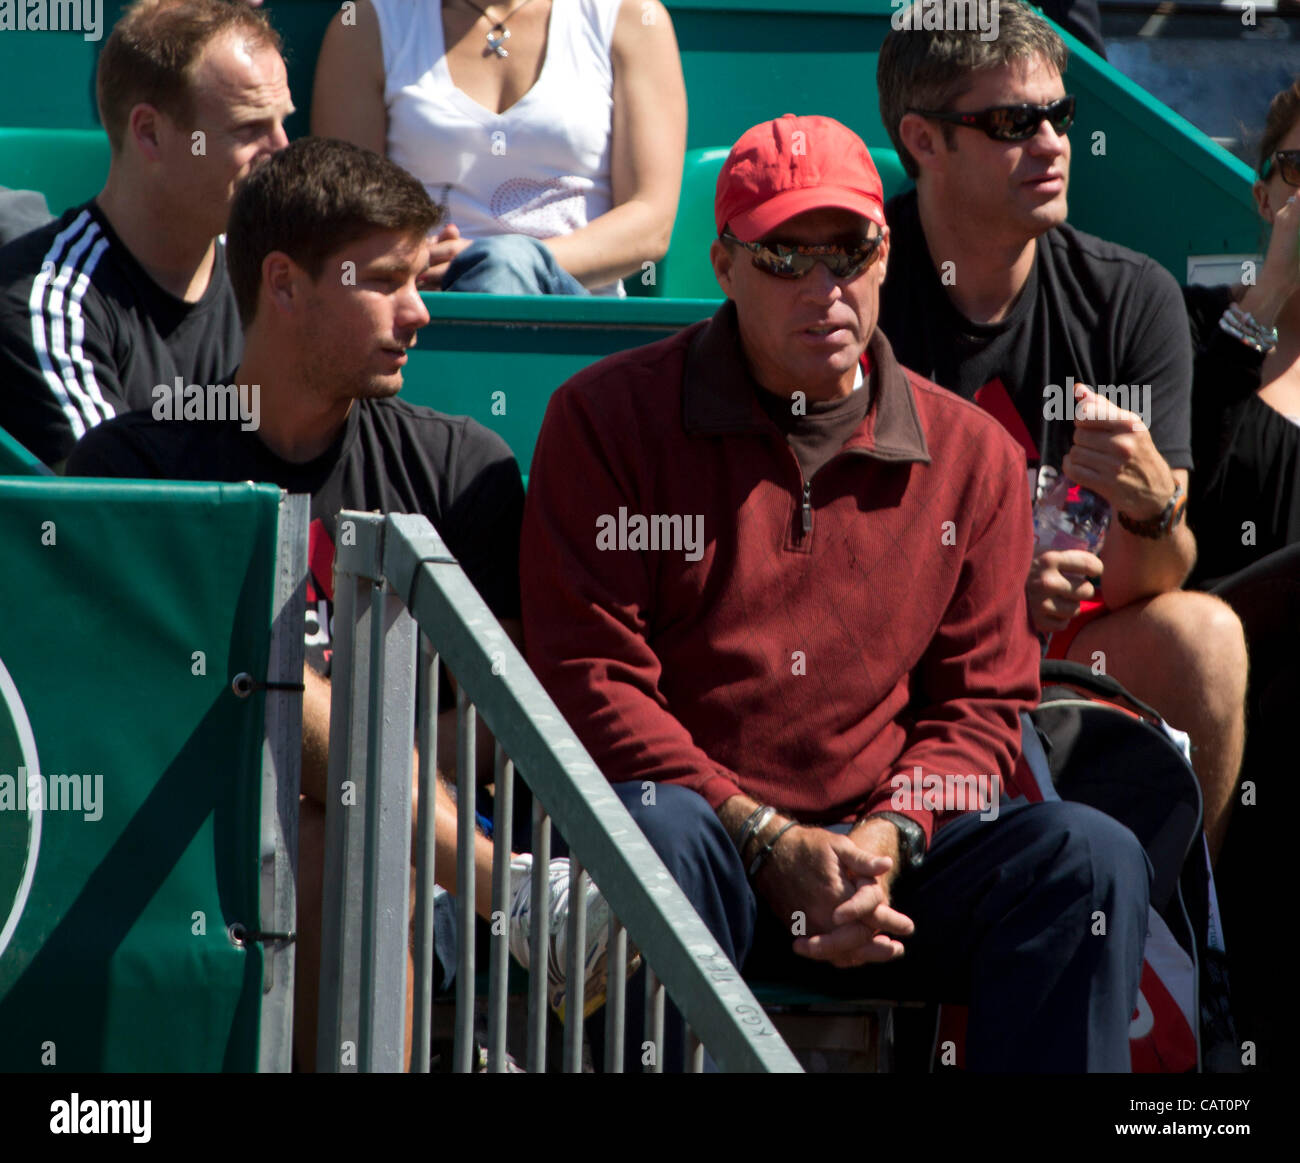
498 358
686 272
68 166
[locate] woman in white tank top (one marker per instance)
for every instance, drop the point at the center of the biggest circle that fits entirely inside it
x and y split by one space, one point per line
553 130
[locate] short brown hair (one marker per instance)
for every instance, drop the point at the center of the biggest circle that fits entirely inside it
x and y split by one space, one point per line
312 199
931 69
1283 112
151 53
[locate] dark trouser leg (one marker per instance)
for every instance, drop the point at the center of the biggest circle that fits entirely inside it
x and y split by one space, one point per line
1036 920
691 841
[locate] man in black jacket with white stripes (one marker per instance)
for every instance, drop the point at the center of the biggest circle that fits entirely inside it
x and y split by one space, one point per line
124 294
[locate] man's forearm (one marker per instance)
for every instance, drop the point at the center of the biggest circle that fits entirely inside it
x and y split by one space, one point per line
1138 567
315 734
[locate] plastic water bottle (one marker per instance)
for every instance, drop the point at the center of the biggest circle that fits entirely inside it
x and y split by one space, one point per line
1070 517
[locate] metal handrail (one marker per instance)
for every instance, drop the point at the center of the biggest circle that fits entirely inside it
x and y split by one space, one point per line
394 575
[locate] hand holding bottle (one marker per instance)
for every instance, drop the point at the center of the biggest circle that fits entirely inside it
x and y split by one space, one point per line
1070 525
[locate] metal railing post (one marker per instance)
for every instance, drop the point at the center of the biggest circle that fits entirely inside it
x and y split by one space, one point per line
281 768
358 560
389 758
425 865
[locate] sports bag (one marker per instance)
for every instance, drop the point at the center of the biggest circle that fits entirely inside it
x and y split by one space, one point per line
1103 747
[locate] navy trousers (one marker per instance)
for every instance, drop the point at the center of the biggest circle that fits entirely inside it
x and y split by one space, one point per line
1036 920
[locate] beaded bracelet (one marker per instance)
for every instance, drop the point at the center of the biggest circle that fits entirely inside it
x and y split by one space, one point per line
1242 325
1230 328
1252 327
1248 322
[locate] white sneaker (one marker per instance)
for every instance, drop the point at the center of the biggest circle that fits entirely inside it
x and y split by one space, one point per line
597 954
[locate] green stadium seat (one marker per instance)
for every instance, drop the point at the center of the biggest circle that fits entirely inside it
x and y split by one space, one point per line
686 272
749 60
498 358
68 166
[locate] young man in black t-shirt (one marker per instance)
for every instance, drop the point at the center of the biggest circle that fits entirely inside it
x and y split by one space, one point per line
129 290
992 295
326 244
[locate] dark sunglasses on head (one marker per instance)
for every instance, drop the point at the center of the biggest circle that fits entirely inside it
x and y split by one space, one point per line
1288 165
793 262
1011 122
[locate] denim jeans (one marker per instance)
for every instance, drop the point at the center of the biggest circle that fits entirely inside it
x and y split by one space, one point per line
510 264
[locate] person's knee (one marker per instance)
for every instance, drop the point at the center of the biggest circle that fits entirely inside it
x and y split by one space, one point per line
1101 859
511 251
678 822
515 262
691 841
1200 637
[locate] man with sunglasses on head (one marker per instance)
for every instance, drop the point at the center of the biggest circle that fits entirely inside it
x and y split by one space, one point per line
783 698
994 296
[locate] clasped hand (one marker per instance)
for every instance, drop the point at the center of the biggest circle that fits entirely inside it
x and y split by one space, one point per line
843 893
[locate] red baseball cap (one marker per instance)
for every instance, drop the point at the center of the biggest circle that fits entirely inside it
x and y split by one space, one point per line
781 168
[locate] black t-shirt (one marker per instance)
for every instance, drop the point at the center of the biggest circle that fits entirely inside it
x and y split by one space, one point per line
86 334
1097 312
1245 499
390 456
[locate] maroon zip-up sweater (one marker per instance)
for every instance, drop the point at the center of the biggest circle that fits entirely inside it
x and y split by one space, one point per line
814 643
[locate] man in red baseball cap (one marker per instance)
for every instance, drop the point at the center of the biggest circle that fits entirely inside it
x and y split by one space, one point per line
803 184
785 613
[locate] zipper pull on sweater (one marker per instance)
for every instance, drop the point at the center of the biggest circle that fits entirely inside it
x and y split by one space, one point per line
807 508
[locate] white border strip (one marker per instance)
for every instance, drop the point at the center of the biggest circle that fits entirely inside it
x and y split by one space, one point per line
27 741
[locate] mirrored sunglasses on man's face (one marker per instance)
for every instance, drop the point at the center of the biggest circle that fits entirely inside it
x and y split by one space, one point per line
1010 122
794 261
1286 162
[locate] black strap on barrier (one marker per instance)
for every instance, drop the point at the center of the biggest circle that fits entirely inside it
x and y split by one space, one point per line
433 559
244 684
244 936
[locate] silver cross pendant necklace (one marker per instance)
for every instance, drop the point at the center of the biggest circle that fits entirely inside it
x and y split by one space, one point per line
498 34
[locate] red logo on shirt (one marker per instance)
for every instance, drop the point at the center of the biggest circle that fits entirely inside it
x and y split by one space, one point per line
994 398
320 563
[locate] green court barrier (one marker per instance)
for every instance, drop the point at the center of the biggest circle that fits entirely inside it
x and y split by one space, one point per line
15 460
1151 180
131 606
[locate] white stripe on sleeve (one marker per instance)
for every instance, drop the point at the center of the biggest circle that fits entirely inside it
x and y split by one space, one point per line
48 322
